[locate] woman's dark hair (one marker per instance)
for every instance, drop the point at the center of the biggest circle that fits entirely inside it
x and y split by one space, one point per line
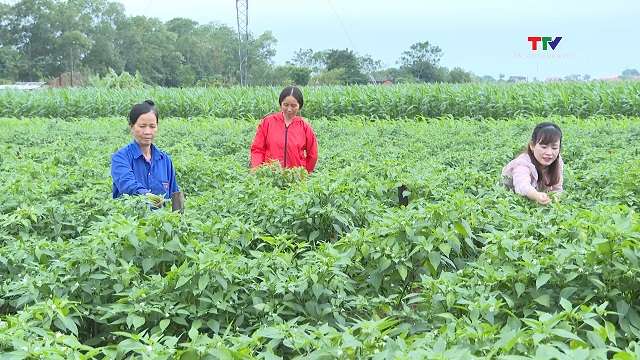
143 108
292 91
544 134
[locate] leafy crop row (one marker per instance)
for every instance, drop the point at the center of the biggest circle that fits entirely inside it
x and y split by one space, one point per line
486 100
328 266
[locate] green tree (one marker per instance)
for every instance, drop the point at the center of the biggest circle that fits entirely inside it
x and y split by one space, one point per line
190 34
88 29
299 75
329 77
488 78
192 45
368 65
627 73
459 75
422 61
218 59
33 28
347 60
78 45
11 64
6 12
262 48
398 75
40 39
149 48
261 52
10 59
52 35
104 54
310 59
266 75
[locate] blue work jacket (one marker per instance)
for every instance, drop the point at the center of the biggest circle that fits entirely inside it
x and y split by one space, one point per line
132 174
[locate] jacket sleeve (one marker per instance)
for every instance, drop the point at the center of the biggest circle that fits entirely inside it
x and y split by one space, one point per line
123 176
522 179
259 146
311 149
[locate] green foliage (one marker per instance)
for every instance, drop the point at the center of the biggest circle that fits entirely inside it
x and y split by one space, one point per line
413 101
280 177
348 62
214 81
97 35
114 81
299 75
328 77
627 73
422 61
325 265
458 75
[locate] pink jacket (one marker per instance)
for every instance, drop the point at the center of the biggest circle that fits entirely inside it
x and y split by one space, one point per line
521 175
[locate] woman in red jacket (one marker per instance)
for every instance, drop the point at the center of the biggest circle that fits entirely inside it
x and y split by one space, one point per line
285 136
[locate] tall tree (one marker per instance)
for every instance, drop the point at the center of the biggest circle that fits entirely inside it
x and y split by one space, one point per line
11 64
347 60
627 73
261 53
106 17
148 47
422 61
6 12
488 78
310 59
459 75
219 58
368 65
34 34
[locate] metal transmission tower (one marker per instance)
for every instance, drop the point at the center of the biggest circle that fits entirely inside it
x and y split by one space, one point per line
242 8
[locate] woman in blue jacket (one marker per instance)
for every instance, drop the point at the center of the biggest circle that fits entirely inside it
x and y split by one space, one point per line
140 168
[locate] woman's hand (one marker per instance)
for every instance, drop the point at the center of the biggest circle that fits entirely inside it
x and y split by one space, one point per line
555 196
156 200
540 197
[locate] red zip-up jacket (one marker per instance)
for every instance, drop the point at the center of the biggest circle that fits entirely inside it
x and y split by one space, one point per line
293 145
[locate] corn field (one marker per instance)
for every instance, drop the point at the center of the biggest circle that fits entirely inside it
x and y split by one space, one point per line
498 101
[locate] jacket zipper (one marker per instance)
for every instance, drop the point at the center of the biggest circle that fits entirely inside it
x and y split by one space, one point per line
286 132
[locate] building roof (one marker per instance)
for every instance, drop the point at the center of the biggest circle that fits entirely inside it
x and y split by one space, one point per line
25 85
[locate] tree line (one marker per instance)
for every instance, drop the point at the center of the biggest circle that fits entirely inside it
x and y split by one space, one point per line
94 39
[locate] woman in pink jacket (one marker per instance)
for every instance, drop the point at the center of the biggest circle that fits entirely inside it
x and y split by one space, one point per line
285 136
538 170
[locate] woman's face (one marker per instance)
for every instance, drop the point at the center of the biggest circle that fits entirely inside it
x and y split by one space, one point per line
145 129
290 107
546 154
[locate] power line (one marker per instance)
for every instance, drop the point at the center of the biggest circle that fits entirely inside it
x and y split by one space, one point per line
148 6
341 24
373 79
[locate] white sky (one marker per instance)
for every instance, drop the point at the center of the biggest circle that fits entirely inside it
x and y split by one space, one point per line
599 38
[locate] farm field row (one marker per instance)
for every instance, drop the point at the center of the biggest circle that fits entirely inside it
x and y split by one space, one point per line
274 266
483 100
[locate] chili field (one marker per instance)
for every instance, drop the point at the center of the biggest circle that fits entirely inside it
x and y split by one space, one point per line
276 265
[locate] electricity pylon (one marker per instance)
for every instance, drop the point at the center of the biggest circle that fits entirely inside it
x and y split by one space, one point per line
242 9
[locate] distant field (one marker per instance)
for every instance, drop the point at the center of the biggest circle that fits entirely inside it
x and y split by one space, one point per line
486 100
324 267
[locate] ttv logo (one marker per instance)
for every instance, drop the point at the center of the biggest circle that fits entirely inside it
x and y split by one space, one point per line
545 41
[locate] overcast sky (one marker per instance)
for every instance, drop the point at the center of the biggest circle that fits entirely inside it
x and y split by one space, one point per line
599 38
